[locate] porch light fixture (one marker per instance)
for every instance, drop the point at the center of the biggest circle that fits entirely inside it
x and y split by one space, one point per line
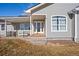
70 15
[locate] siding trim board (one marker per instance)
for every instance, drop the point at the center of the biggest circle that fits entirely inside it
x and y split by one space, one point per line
75 27
60 38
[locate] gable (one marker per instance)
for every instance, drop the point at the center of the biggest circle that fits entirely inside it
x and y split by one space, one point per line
57 8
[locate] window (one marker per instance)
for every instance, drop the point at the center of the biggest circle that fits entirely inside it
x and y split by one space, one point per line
22 27
25 26
3 27
58 23
17 27
35 26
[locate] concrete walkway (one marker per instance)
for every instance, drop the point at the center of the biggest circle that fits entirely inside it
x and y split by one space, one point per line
37 40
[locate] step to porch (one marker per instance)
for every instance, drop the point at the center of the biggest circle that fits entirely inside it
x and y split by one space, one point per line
37 40
38 35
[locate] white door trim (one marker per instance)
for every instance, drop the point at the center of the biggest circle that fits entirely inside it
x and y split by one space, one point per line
45 25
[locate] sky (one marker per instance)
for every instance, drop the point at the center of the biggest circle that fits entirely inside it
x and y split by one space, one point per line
14 9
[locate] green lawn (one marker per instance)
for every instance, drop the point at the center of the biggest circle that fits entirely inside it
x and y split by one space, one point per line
17 47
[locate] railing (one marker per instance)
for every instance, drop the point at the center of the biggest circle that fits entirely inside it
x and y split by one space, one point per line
11 33
23 33
2 33
15 33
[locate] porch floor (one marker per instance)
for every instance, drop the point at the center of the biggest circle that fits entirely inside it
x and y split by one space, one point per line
38 35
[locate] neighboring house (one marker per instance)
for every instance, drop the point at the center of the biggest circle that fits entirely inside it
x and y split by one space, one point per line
55 21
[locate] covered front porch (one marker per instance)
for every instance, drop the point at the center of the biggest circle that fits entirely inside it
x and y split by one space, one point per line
37 25
33 26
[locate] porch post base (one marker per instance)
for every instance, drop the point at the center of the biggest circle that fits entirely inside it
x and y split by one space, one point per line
76 40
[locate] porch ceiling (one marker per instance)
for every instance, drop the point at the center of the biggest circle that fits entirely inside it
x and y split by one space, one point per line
38 17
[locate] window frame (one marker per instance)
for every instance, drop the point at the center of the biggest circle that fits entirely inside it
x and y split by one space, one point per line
2 27
59 27
23 25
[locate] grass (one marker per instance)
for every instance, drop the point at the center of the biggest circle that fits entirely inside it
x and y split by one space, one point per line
12 47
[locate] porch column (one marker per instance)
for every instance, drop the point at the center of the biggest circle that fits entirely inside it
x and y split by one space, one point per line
76 27
5 28
30 26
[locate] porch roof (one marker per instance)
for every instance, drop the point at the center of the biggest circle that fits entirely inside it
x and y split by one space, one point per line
19 19
38 17
74 11
16 19
37 7
27 19
23 19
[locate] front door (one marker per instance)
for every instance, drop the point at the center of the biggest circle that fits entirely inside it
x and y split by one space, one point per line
38 27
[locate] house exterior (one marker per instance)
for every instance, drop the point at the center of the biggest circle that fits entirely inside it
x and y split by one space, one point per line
55 21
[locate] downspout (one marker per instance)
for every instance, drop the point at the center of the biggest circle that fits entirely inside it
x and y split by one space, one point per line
75 27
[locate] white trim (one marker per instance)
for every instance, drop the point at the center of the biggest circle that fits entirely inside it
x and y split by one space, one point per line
5 27
9 17
39 14
40 27
60 30
29 10
75 27
46 25
30 26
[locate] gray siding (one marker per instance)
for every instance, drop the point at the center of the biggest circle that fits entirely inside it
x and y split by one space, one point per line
77 28
59 9
73 27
